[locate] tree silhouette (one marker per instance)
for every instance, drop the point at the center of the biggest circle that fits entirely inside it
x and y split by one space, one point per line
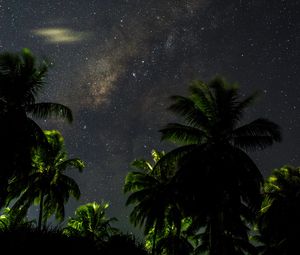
22 78
220 181
48 184
279 222
91 222
153 197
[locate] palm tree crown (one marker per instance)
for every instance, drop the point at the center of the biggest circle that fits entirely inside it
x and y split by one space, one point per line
48 184
22 78
222 184
91 221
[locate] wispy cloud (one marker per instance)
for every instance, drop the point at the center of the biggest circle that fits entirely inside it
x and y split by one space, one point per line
60 35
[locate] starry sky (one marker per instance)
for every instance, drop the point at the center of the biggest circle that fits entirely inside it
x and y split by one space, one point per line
115 63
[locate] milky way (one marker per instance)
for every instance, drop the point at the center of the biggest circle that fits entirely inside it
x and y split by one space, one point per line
115 63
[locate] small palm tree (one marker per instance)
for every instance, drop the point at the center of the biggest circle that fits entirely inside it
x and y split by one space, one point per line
48 185
221 183
153 197
172 239
22 78
90 221
278 221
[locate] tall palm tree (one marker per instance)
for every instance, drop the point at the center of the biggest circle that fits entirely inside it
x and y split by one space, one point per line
22 78
153 197
222 185
90 221
278 221
48 184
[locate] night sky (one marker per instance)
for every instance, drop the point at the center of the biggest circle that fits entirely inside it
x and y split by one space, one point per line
115 63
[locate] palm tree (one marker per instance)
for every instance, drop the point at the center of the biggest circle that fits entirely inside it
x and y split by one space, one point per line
22 78
153 197
91 222
222 185
48 184
278 221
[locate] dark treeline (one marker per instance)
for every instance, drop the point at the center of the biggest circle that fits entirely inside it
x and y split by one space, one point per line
206 196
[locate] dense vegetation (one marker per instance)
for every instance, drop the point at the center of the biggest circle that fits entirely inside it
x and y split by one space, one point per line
206 196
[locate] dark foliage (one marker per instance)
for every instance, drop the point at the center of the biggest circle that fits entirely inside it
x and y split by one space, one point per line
48 241
123 244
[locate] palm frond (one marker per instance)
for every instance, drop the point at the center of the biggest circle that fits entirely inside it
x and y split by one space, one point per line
23 76
246 102
186 108
203 99
71 185
138 180
28 58
228 108
142 164
157 155
171 158
182 134
37 136
45 110
73 162
9 62
33 72
260 133
139 197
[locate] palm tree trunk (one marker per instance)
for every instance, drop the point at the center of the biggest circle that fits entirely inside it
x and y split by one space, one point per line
214 237
177 240
154 240
216 234
41 211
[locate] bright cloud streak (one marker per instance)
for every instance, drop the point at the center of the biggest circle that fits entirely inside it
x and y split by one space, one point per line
60 35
